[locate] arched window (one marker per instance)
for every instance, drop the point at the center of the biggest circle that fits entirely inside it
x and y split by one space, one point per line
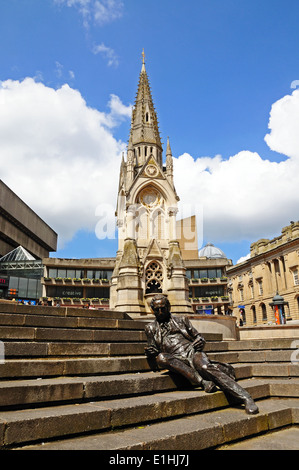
264 312
253 311
153 278
146 117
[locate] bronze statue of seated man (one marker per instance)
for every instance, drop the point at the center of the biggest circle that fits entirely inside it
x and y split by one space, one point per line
177 346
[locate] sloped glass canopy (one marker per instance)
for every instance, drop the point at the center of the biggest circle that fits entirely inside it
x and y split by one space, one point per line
18 254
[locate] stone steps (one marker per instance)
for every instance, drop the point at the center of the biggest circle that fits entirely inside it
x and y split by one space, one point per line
286 438
55 367
36 424
47 321
195 431
78 379
16 393
275 370
252 356
69 334
15 349
255 344
15 308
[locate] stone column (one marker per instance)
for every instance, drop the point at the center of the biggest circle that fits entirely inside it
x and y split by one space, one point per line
177 285
131 222
282 272
129 289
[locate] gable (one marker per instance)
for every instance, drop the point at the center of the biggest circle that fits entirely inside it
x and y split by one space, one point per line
151 169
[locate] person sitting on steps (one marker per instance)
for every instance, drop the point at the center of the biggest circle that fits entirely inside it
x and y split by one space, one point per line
176 345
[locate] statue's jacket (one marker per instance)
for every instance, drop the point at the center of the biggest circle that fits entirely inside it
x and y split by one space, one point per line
154 339
154 336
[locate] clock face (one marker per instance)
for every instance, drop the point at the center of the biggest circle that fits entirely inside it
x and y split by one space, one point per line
150 197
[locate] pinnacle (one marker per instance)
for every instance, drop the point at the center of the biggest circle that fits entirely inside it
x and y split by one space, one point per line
144 118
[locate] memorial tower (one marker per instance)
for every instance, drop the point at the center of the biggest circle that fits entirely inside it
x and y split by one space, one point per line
149 259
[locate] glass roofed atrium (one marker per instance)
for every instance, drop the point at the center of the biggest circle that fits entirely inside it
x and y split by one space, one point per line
23 273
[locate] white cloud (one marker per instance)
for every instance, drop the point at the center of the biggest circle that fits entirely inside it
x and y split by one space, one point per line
84 7
58 69
108 53
60 72
243 258
58 154
247 197
98 11
61 158
284 126
118 109
107 10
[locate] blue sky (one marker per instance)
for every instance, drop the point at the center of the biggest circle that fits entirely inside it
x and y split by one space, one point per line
69 71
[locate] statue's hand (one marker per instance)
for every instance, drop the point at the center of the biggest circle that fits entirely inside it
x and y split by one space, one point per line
199 343
151 351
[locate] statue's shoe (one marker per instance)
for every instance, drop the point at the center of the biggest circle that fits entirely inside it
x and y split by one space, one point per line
250 407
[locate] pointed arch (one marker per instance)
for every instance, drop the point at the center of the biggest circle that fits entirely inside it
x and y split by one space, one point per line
253 314
263 310
159 184
153 278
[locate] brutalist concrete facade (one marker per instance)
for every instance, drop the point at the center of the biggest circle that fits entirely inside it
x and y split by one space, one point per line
20 225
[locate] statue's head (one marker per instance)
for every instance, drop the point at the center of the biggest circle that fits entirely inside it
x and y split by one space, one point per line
161 308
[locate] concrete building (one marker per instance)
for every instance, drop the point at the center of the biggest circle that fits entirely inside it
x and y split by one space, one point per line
208 281
21 226
24 239
78 282
273 267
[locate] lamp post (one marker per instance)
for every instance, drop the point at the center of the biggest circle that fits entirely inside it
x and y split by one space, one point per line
277 305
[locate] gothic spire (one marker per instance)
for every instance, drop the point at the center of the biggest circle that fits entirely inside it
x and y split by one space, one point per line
145 135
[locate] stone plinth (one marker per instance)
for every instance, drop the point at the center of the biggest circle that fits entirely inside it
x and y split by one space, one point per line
224 324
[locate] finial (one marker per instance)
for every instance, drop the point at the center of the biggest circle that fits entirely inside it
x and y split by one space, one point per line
168 149
143 61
